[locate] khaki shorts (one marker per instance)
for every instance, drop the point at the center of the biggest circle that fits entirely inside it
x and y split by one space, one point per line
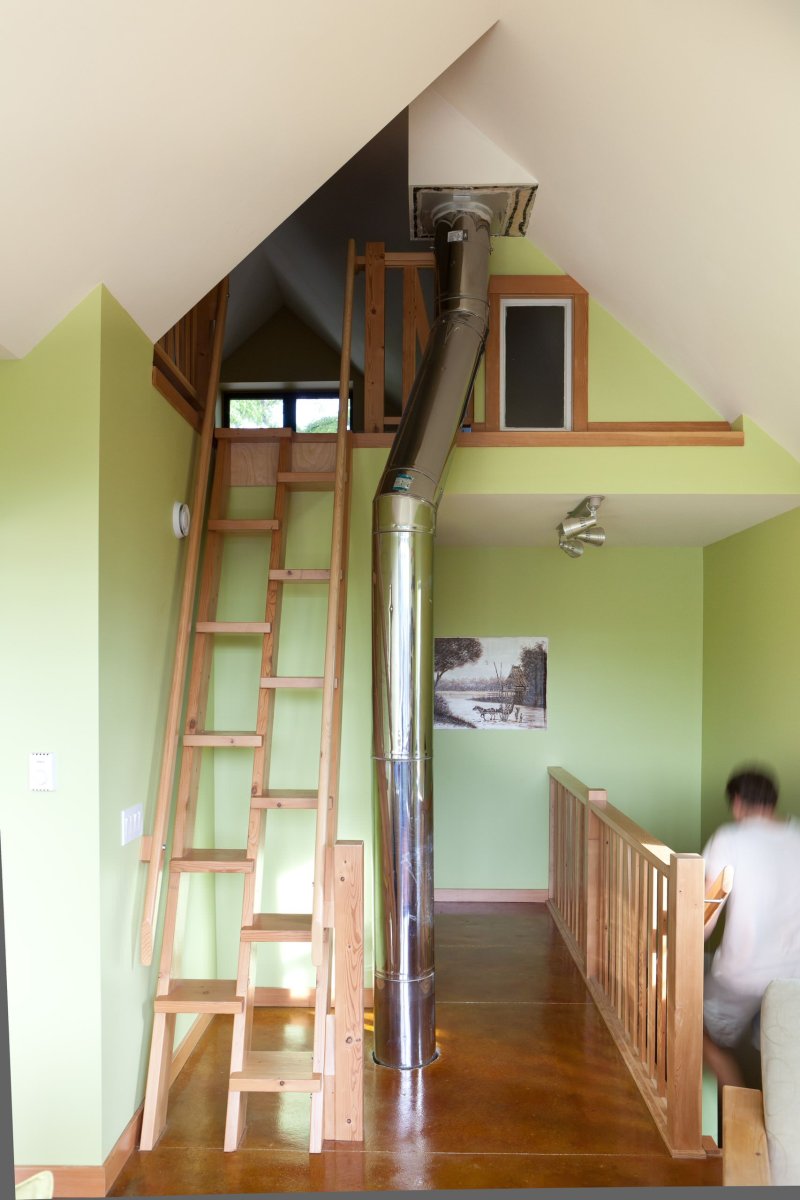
727 1014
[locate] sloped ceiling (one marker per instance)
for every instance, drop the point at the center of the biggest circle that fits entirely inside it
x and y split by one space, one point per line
665 140
153 146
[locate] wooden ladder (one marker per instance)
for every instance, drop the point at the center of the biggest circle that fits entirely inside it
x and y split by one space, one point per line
259 1071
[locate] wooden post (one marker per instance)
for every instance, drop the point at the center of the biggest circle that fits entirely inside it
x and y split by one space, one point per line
685 1004
591 946
349 984
374 338
551 874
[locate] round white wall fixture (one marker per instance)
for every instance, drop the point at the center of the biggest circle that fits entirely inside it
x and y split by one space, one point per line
181 519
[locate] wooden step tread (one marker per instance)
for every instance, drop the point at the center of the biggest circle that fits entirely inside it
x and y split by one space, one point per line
285 798
277 1071
213 860
278 927
222 738
307 481
292 681
233 627
200 996
242 526
301 575
282 433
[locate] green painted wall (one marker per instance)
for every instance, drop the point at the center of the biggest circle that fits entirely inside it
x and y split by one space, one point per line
50 406
626 380
145 461
751 661
624 701
90 464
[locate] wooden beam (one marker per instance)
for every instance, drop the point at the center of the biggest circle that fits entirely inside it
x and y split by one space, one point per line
409 333
374 339
398 259
535 285
594 438
580 362
349 982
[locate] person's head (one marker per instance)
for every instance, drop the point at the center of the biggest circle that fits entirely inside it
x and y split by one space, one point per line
752 793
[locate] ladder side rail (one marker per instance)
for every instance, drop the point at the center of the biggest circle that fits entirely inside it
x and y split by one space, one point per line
157 842
325 827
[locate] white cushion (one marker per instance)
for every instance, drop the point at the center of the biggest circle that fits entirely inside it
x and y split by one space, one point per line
780 1072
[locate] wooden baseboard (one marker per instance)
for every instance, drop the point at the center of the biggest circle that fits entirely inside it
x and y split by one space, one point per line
97 1181
490 895
70 1181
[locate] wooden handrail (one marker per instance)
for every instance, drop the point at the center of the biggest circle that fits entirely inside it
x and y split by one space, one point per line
328 785
156 844
631 913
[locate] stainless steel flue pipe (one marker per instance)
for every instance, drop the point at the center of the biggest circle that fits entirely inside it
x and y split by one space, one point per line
404 520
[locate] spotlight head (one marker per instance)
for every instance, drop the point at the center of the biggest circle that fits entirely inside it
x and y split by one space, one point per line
593 537
571 526
570 547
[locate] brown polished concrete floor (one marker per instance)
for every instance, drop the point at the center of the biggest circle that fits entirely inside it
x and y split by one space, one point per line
529 1090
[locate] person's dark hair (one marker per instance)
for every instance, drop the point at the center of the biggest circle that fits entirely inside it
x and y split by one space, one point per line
757 789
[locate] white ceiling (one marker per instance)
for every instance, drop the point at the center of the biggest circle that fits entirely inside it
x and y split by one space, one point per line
668 520
152 145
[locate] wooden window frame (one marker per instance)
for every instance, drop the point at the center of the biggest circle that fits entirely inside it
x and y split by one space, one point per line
538 287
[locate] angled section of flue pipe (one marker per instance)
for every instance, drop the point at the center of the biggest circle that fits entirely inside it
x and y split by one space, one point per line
404 521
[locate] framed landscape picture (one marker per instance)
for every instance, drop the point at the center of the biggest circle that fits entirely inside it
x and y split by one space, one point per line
490 683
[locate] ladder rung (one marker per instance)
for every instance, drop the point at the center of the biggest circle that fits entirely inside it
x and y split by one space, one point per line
233 626
278 927
222 739
301 575
307 481
200 996
213 860
276 1071
225 525
285 798
292 681
252 435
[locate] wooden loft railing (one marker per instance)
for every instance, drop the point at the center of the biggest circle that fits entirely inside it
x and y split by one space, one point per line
631 913
416 327
379 423
182 360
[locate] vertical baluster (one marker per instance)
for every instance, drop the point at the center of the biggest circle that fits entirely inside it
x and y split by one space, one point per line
643 945
663 950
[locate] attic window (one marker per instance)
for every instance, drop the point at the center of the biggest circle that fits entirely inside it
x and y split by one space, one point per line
305 410
536 354
535 363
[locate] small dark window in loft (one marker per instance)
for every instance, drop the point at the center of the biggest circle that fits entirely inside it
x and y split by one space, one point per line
536 364
303 410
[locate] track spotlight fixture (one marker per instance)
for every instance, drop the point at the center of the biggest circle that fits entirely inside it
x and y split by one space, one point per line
593 537
580 527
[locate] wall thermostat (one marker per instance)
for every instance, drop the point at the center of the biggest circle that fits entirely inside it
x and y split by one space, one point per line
181 519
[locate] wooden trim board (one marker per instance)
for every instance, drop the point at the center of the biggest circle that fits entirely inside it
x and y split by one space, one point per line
490 895
632 434
97 1181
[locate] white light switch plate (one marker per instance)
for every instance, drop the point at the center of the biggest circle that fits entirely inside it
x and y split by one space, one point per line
42 771
132 823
